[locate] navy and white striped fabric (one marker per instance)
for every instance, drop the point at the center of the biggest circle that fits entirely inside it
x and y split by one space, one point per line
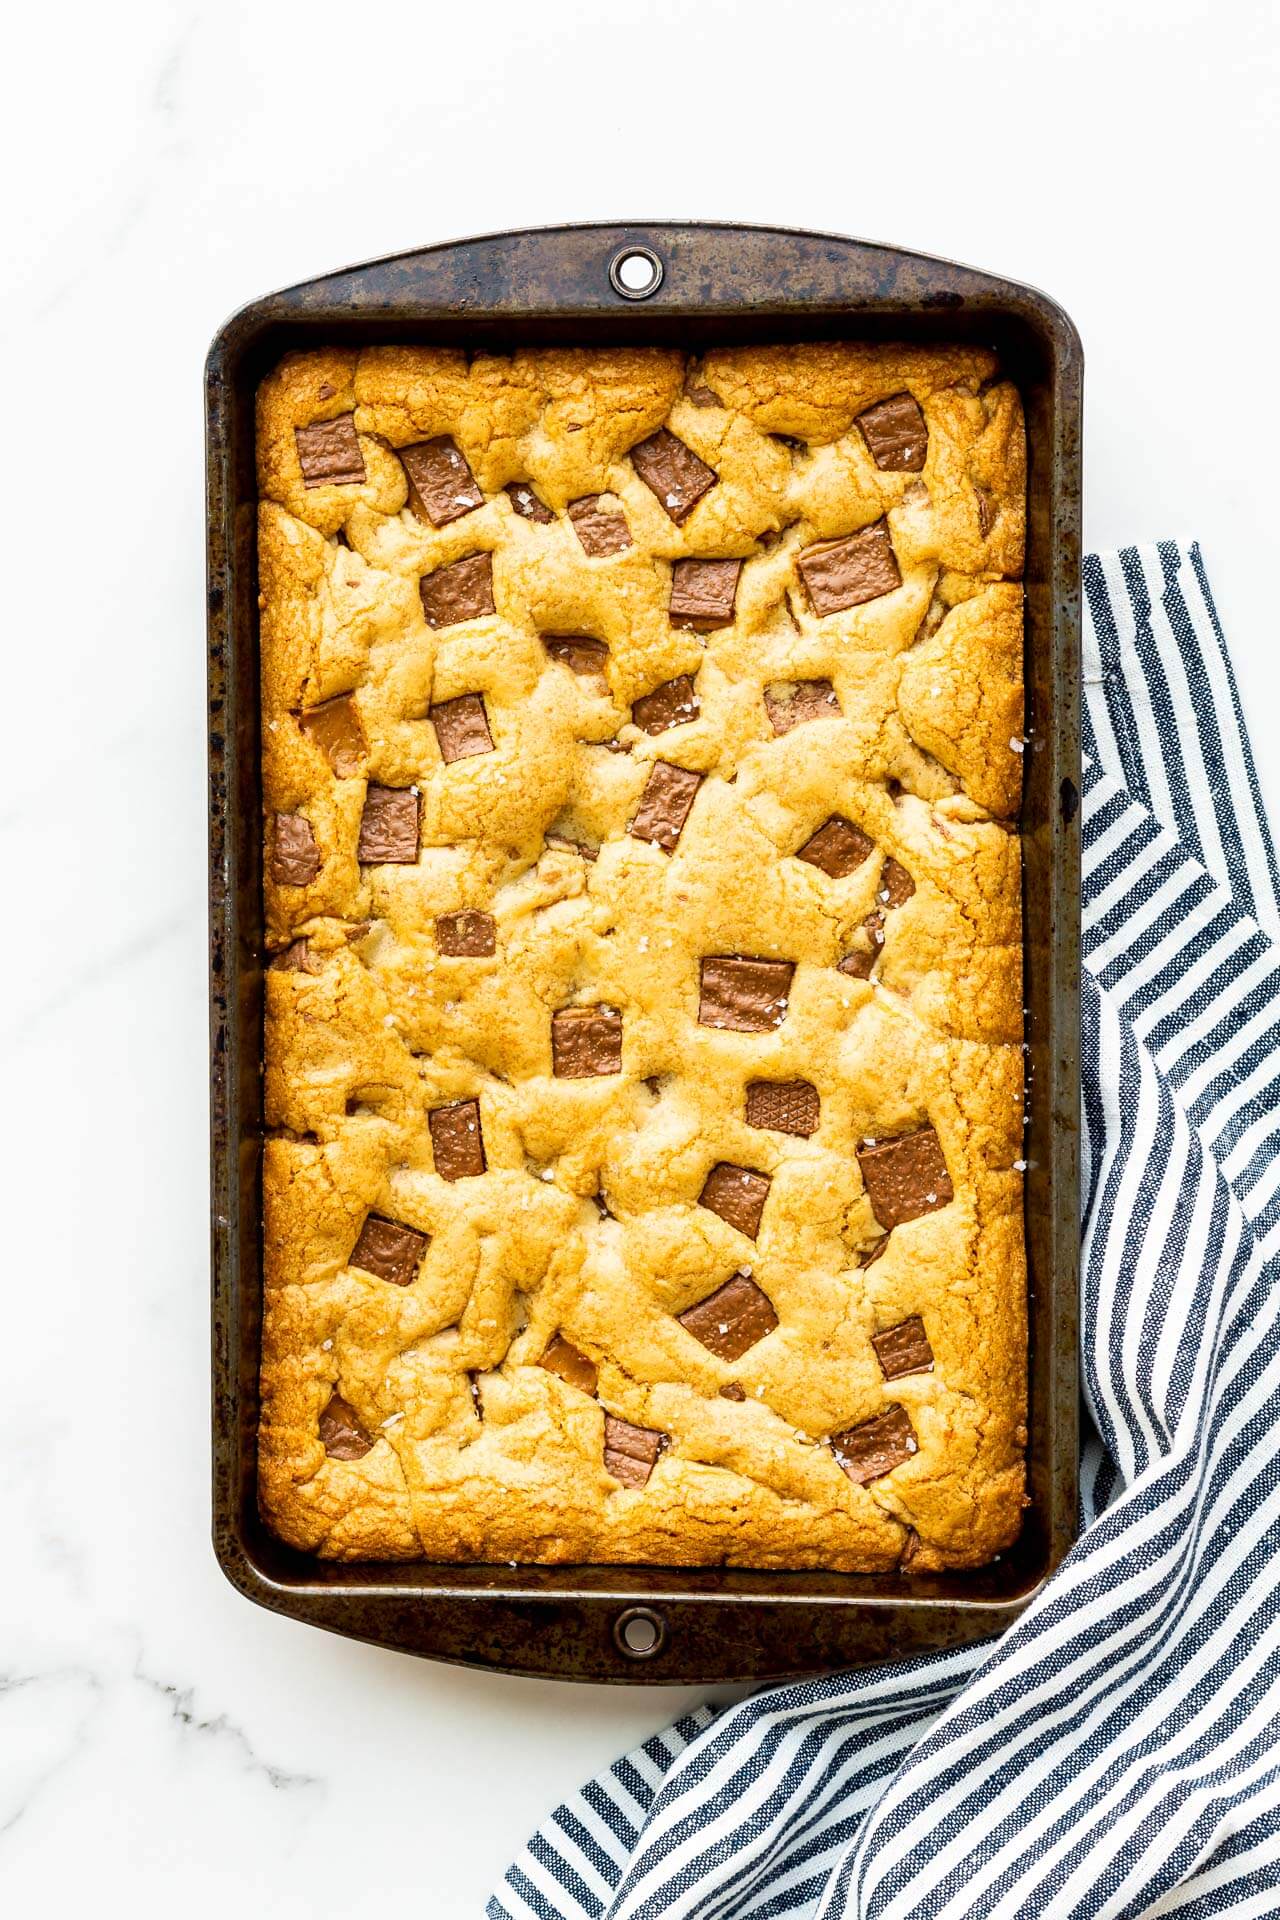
1116 1753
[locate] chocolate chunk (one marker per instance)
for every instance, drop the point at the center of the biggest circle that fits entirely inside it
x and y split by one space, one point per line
527 504
462 727
388 827
732 1391
670 705
703 593
845 573
630 1453
910 1548
295 857
732 1319
903 1349
859 963
664 805
586 1042
578 652
783 1106
745 994
896 884
877 1446
389 1250
895 433
457 1140
737 1195
468 935
574 1368
701 396
986 511
673 472
808 700
461 591
837 849
905 1177
561 843
341 1435
442 486
473 1381
873 1252
329 453
335 728
600 531
297 957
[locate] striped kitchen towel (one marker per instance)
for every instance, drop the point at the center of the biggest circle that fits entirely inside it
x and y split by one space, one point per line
1117 1752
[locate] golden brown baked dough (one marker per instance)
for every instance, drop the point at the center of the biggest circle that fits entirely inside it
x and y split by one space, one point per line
570 1244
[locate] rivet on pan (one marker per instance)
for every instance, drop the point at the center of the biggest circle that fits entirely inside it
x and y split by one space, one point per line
639 1633
635 273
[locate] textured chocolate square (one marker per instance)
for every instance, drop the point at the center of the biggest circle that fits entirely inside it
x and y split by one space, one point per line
896 435
858 964
600 531
388 1250
630 1453
703 593
334 727
664 805
732 1319
905 1177
783 1106
442 486
388 827
341 1435
462 727
670 705
568 1364
837 849
527 504
807 700
896 885
743 993
461 591
329 453
457 1140
586 1042
903 1349
295 857
673 472
737 1195
579 652
877 1446
845 573
466 935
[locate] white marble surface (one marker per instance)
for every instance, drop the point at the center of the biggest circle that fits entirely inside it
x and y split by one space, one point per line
160 1740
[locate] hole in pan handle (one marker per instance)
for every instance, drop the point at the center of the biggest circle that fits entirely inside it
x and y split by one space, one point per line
639 1633
635 272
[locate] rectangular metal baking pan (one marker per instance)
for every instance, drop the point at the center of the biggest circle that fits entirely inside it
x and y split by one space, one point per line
719 284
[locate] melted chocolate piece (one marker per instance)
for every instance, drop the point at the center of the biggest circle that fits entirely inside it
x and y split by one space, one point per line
461 591
569 1365
631 1453
743 993
783 1106
561 843
896 435
664 805
442 486
388 827
858 964
903 1349
732 1391
896 884
586 1042
877 1446
388 1250
845 573
527 504
329 453
811 700
335 728
670 705
467 935
341 1435
905 1177
873 1252
295 857
731 1320
986 511
462 727
701 396
457 1140
578 652
837 849
673 472
703 593
297 957
738 1195
600 531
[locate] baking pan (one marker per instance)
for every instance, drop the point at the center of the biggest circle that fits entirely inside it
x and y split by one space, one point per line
714 285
